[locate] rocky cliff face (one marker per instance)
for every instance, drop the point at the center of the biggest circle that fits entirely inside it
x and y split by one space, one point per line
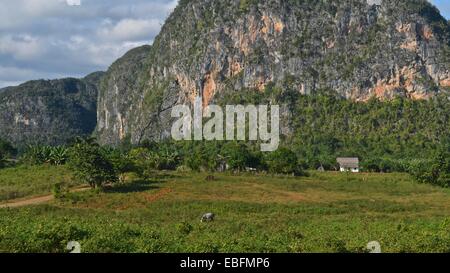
49 112
358 49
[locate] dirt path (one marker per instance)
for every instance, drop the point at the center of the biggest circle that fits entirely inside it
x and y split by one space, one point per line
34 200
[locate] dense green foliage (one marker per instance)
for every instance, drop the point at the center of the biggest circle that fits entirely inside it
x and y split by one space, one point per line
212 156
6 151
392 136
385 135
435 171
120 161
283 161
37 155
145 162
90 164
328 127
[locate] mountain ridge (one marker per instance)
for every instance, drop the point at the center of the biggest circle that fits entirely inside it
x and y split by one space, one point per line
49 111
357 49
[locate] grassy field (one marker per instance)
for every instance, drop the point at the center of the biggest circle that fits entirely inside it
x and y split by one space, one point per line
325 212
32 180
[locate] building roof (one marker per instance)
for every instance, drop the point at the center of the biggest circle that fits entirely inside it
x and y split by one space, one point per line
348 162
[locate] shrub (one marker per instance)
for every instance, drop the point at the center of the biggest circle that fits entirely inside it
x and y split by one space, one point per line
283 161
144 161
199 156
90 165
168 157
38 155
436 171
6 149
184 228
194 159
2 161
120 161
237 156
35 155
59 190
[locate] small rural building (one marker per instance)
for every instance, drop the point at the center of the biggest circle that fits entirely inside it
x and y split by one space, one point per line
348 164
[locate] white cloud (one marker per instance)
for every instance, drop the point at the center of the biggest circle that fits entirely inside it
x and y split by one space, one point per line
73 2
130 29
52 38
13 75
21 47
20 13
9 83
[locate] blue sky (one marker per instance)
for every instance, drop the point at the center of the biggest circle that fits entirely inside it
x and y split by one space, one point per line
444 6
47 39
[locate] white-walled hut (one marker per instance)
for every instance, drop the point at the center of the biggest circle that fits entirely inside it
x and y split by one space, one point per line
348 164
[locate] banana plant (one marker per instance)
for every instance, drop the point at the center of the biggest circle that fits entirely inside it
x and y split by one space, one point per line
36 155
58 155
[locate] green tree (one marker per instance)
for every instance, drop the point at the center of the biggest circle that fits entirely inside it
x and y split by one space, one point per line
120 161
89 164
2 160
145 162
237 156
201 156
436 171
7 149
441 168
169 157
283 161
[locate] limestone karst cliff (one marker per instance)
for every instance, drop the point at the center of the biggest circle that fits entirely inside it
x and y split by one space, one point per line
358 49
49 111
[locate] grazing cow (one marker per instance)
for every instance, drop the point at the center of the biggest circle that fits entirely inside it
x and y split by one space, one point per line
208 217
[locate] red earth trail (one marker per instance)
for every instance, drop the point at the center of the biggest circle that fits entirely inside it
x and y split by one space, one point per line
23 202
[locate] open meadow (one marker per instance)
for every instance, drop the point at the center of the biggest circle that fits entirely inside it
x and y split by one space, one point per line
324 212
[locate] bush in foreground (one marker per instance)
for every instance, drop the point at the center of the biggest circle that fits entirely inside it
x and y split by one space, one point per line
89 164
436 171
